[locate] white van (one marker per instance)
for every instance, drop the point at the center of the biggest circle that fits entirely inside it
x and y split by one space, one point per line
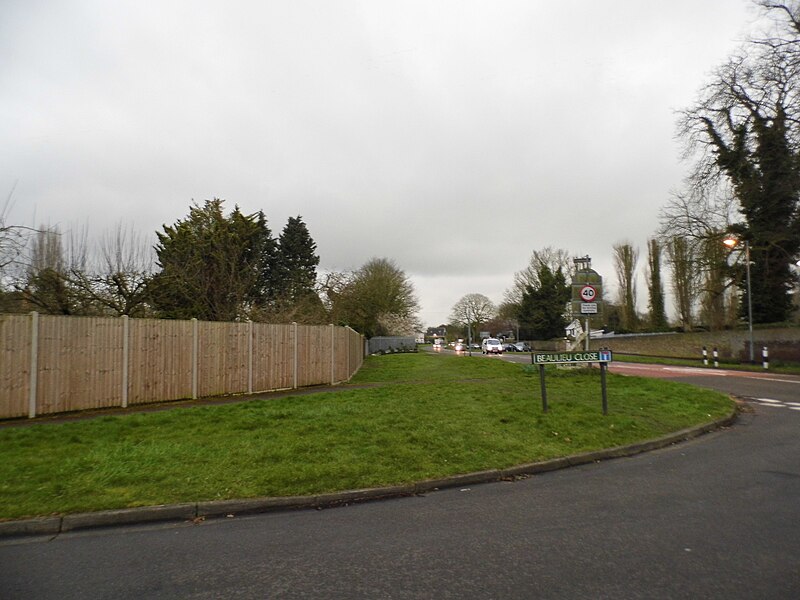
491 346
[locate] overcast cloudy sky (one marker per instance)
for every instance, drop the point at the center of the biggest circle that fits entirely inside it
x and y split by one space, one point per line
453 137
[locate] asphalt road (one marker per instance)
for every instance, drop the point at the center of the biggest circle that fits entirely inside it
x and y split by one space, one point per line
716 517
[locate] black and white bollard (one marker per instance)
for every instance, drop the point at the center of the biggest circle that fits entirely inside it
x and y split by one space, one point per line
765 357
716 359
705 357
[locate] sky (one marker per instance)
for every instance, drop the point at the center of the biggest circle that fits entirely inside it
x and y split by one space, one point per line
452 137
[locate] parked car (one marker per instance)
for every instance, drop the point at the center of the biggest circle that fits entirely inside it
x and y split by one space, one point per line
523 347
510 348
491 346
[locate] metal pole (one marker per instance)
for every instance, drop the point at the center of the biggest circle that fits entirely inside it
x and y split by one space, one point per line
544 388
749 299
588 331
469 335
603 386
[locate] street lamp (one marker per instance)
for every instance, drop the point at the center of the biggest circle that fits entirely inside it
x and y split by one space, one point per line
731 243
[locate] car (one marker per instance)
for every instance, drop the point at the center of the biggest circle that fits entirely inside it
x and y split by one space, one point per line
459 346
510 348
523 347
491 346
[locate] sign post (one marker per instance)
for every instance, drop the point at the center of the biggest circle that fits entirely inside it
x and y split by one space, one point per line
603 357
587 295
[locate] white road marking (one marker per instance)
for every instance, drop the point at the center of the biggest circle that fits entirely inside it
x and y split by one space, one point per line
695 370
776 379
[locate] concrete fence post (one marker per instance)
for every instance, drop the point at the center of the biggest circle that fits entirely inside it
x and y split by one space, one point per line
349 351
34 364
125 354
195 357
294 355
249 357
333 354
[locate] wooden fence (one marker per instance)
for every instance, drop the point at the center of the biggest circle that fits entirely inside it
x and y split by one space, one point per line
51 364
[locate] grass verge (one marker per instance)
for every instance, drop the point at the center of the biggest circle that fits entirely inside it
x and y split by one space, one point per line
427 416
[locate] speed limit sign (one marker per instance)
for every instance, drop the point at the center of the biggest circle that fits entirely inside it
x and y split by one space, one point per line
588 293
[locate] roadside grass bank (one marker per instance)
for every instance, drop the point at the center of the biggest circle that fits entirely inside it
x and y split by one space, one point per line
427 416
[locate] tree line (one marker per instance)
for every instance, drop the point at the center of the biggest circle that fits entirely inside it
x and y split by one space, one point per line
208 265
742 143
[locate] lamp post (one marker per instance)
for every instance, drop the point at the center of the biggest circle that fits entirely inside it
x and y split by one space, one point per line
732 242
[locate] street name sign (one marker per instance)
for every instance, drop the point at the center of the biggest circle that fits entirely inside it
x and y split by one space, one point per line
552 358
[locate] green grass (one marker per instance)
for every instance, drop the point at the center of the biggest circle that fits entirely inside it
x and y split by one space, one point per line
423 416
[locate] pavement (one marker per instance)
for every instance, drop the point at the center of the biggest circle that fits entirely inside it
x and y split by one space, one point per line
200 511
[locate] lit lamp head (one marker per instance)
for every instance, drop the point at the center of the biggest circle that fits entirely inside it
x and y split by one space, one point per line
730 242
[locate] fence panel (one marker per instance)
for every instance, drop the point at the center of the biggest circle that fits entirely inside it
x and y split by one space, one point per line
273 357
313 355
160 362
79 360
79 363
15 364
223 363
356 351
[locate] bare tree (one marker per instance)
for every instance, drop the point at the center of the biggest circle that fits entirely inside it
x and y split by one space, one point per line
46 286
698 213
655 286
682 259
625 259
743 132
13 241
699 218
116 283
472 310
